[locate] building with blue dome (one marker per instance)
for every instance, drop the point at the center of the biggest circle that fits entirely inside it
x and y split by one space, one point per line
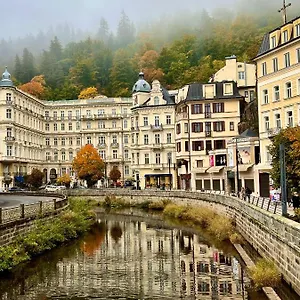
6 79
141 85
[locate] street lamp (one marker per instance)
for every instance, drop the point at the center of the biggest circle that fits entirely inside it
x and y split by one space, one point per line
170 175
237 166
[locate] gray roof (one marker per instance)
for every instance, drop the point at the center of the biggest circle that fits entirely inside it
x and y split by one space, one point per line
6 80
141 85
248 133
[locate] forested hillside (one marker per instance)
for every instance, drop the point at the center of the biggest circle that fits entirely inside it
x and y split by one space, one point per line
176 51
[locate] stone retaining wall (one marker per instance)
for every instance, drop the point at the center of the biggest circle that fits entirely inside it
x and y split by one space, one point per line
273 236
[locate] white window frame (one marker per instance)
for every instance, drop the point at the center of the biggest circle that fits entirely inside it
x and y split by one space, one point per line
264 69
241 75
289 118
285 36
277 120
287 59
267 123
147 159
276 93
275 64
297 30
288 90
265 96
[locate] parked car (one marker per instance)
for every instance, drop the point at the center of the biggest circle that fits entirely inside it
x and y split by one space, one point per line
15 189
51 188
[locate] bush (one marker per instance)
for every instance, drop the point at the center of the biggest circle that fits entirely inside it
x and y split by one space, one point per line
157 205
221 227
264 274
236 238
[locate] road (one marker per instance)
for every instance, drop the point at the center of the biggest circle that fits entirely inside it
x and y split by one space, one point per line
9 200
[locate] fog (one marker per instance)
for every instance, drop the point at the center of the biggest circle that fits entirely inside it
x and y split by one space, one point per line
21 17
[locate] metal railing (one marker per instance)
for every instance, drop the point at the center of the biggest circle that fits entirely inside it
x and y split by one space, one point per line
32 210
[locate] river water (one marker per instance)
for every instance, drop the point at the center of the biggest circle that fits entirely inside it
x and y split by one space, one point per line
129 258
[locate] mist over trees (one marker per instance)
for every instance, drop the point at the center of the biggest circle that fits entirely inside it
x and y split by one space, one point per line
176 49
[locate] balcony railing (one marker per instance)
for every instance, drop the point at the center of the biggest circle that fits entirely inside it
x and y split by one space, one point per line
157 146
101 145
156 127
207 115
208 133
273 131
115 145
136 128
10 139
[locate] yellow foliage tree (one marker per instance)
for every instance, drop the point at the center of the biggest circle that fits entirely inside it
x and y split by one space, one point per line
65 180
88 165
88 93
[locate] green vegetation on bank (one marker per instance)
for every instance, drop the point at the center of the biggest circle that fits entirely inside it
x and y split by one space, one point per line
47 235
264 274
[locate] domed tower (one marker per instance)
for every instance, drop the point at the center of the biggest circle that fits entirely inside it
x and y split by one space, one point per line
141 90
6 80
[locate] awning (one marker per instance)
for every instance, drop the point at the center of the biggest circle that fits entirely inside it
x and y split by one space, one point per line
19 179
158 175
201 170
243 168
215 169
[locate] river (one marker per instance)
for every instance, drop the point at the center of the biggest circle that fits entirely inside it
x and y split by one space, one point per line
130 258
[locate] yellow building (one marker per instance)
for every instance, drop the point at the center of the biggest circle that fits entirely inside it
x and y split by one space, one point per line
207 117
278 80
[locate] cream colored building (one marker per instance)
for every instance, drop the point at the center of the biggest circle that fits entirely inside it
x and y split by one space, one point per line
242 73
152 135
278 75
47 134
207 117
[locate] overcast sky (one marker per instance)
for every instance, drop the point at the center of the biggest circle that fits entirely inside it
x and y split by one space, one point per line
22 17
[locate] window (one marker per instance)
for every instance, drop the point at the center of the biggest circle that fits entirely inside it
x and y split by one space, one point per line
199 163
157 158
63 155
126 139
169 138
55 156
178 147
264 68
125 111
147 159
186 146
197 109
231 126
77 112
299 86
89 140
126 154
146 139
70 115
101 140
102 154
178 129
156 100
47 114
63 141
77 125
241 75
125 124
273 41
100 112
146 121
156 121
288 90
88 125
70 155
277 121
186 127
8 97
114 124
168 119
218 107
290 121
115 154
169 156
88 113
198 146
113 111
285 36
287 60
126 170
297 30
275 64
62 126
55 127
132 139
47 127
101 124
8 113
78 141
47 141
219 126
55 115
55 141
70 127
114 139
298 55
276 93
48 156
267 123
265 97
9 150
157 138
197 127
70 141
62 115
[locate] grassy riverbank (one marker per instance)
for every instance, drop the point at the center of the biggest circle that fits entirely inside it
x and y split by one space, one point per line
47 235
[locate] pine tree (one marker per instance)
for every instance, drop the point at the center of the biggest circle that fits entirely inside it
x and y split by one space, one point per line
18 69
103 31
28 66
126 31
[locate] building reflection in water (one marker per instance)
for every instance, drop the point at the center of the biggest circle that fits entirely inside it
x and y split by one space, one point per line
131 259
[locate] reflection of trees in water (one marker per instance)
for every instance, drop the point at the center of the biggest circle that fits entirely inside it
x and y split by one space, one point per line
116 232
94 239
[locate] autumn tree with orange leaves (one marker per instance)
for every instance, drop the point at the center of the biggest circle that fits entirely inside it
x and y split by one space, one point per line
115 174
290 137
88 165
35 87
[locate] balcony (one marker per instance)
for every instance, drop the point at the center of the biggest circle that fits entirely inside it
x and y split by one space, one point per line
114 145
207 115
101 145
10 139
157 146
156 127
9 102
208 133
136 128
181 116
273 131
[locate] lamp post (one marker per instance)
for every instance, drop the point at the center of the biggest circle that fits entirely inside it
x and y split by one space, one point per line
170 175
237 166
283 179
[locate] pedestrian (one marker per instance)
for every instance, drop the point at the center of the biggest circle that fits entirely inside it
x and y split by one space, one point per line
243 194
248 192
296 200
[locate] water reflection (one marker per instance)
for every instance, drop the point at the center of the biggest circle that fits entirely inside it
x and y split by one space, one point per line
130 259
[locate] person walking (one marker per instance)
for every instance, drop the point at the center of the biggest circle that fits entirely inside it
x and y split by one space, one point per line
248 192
296 200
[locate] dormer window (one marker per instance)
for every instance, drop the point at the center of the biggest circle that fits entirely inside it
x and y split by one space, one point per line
273 42
156 100
228 88
285 36
297 30
209 91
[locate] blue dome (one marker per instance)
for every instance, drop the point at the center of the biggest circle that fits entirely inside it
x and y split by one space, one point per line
6 80
141 85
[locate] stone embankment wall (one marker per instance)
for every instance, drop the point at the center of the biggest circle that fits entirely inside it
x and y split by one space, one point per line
273 236
21 219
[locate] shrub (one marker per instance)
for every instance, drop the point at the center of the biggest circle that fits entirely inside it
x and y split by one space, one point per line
236 238
157 205
221 227
264 274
